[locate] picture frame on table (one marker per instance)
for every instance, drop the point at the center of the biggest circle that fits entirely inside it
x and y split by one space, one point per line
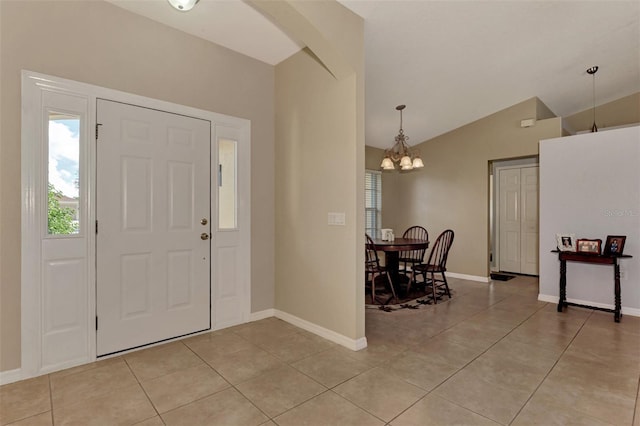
584 245
566 242
614 245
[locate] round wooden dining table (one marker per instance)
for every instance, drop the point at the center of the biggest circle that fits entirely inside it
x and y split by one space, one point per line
392 251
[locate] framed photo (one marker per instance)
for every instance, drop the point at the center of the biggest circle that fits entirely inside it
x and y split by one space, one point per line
614 244
588 246
566 242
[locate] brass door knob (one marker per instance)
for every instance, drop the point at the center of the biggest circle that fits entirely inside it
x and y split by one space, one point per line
204 236
203 221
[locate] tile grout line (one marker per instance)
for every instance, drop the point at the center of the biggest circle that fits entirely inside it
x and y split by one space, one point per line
143 391
472 360
551 369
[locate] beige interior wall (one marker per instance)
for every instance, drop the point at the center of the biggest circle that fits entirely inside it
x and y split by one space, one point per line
320 169
452 190
619 112
97 43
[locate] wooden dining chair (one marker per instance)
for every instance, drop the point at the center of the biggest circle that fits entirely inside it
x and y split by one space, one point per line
410 258
437 264
374 270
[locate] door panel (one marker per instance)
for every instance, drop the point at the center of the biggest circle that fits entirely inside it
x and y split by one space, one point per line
153 268
509 215
529 228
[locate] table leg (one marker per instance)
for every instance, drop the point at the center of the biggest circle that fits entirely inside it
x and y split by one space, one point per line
392 263
616 277
563 285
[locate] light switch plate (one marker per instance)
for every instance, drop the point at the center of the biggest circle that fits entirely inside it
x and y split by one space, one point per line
336 219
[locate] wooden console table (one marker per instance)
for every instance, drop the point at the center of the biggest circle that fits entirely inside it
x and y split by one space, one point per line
565 256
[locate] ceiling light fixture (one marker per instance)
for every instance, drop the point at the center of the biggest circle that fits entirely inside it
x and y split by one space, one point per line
593 70
401 152
183 5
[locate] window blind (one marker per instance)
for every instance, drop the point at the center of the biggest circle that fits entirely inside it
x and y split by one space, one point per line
373 203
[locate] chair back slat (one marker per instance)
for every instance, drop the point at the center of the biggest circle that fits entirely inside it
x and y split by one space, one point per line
440 250
415 256
372 262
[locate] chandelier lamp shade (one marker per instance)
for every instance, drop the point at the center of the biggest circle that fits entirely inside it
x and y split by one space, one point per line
401 153
183 5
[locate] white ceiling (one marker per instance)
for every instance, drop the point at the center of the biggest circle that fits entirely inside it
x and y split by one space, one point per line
451 62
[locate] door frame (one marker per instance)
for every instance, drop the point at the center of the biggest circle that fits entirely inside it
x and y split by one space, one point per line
494 199
32 183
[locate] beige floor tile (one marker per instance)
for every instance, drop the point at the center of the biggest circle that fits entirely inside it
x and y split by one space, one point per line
81 386
294 347
211 345
43 419
507 373
603 401
160 360
227 408
381 394
614 344
81 368
261 332
480 396
120 407
580 369
24 399
327 409
433 410
246 364
540 412
153 421
331 367
183 386
419 370
279 390
445 350
468 334
604 320
544 339
375 353
527 353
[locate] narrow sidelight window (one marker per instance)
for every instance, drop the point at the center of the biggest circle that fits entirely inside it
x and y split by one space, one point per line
227 184
63 183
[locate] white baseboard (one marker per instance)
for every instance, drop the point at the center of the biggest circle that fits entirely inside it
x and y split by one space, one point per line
354 345
469 277
633 312
10 376
260 315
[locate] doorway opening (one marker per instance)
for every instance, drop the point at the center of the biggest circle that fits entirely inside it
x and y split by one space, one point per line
513 217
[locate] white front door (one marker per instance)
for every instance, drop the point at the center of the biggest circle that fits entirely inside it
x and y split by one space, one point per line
518 220
153 226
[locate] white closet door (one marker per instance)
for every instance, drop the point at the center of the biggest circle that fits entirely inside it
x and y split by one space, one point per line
153 211
529 225
509 211
518 220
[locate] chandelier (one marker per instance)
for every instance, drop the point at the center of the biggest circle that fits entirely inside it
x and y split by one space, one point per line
592 71
401 152
183 5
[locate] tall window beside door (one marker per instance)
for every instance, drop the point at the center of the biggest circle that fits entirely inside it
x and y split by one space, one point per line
373 202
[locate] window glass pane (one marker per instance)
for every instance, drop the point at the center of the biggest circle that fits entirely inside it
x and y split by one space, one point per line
63 211
227 184
373 203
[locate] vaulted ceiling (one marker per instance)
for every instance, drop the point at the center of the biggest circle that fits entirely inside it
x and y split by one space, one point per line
451 62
